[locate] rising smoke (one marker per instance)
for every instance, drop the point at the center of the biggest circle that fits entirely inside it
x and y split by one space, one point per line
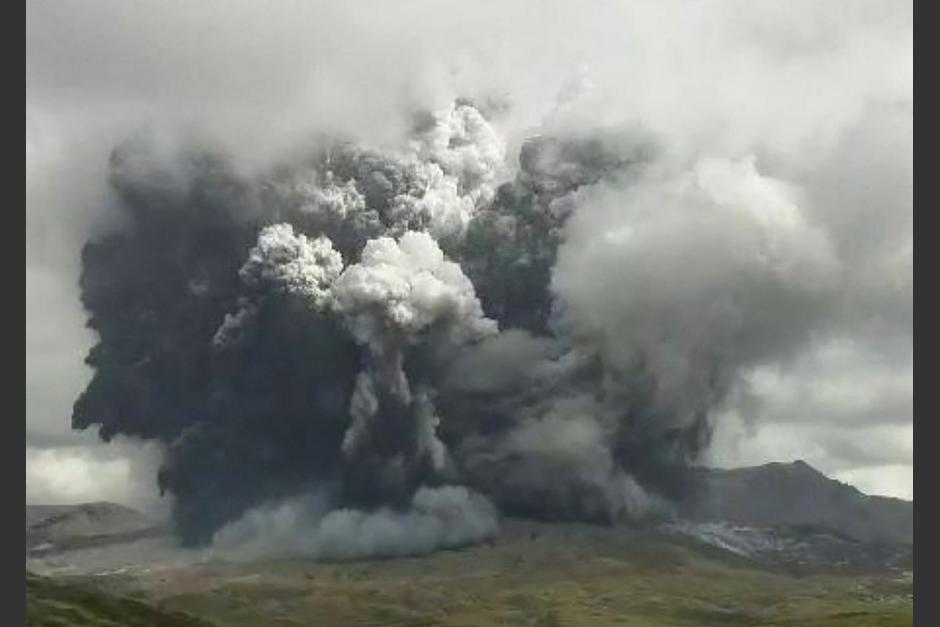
371 351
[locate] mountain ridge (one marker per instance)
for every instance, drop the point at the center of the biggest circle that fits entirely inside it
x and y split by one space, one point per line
795 494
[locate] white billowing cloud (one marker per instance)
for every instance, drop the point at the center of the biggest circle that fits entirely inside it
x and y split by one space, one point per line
405 287
443 517
288 263
436 180
695 274
398 292
338 202
459 159
726 280
293 263
465 145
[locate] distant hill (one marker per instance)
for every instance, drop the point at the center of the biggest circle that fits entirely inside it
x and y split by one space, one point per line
797 495
72 526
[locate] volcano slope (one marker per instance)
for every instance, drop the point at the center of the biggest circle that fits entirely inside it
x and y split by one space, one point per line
531 574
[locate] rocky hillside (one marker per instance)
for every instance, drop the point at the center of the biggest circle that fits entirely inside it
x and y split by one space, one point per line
50 527
796 495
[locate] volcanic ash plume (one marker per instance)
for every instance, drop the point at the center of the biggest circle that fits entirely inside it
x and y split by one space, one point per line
366 351
402 294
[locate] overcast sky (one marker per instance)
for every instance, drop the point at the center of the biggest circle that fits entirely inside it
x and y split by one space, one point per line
820 94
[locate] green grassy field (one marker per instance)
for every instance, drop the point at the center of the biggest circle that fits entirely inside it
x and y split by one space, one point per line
554 579
51 603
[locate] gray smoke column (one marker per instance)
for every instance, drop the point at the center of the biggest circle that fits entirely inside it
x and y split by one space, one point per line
369 351
399 295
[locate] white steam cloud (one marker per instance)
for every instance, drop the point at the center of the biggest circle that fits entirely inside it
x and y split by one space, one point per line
439 518
691 277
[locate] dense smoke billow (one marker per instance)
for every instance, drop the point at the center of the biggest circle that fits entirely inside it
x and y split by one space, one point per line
444 517
386 346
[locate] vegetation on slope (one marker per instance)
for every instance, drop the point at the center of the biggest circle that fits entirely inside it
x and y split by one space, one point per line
51 603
